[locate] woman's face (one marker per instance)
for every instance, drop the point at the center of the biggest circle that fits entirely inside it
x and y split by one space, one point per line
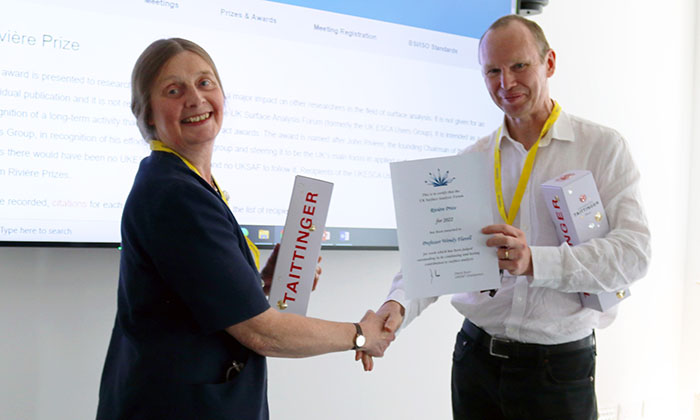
187 104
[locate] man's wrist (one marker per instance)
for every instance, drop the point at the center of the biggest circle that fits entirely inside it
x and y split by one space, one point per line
398 305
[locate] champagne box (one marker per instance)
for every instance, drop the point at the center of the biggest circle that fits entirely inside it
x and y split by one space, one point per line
578 215
303 233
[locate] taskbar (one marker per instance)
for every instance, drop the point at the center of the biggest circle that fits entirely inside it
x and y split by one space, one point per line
266 236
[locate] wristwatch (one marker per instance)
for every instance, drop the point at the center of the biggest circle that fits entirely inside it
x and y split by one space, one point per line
359 339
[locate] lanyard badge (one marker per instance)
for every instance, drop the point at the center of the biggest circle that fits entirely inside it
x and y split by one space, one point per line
509 217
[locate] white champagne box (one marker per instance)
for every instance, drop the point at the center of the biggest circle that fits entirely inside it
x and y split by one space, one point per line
294 273
578 215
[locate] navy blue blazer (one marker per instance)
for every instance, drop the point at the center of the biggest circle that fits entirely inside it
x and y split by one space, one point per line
186 273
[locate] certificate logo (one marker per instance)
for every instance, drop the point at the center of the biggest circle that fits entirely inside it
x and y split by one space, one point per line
263 234
439 180
344 235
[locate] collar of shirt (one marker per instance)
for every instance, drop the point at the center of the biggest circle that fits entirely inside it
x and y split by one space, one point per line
561 130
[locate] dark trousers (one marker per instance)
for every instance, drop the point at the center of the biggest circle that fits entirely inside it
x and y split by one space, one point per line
529 385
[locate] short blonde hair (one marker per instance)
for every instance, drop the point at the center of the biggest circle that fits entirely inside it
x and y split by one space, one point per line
533 27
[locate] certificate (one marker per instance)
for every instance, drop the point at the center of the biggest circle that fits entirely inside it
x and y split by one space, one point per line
441 206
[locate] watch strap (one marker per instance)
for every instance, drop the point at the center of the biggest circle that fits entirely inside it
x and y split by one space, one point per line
358 330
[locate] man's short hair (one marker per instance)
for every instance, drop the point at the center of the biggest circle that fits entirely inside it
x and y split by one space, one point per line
533 27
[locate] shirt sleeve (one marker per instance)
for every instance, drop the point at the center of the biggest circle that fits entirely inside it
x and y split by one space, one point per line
613 262
412 307
195 246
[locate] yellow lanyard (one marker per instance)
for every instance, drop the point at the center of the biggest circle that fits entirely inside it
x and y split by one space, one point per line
524 175
158 146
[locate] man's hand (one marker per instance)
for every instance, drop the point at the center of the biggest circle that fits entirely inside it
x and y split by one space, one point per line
513 252
269 270
392 313
377 338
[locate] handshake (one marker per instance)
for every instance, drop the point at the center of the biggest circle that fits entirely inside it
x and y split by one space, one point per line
379 329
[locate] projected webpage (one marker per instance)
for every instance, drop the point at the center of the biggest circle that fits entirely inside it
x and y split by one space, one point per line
309 92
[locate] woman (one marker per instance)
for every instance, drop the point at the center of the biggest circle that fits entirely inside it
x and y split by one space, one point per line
193 324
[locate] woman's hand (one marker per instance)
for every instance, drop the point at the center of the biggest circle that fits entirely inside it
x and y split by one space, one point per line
317 274
269 269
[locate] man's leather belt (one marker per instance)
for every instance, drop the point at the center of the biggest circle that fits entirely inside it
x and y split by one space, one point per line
509 349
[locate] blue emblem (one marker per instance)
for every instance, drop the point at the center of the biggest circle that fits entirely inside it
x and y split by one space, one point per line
440 180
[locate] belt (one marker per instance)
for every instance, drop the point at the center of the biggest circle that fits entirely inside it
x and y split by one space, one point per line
509 349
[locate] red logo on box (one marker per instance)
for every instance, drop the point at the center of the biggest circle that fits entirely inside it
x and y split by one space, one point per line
565 177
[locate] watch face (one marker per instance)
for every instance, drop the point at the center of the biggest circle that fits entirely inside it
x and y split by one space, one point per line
360 341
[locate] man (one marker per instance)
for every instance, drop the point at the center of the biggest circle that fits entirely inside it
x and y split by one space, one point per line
528 351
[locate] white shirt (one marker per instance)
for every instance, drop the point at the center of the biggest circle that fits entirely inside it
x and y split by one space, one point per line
545 308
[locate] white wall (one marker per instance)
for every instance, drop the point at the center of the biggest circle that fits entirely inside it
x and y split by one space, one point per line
56 311
691 304
630 65
627 64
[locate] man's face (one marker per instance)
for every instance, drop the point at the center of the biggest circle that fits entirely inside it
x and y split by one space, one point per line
514 72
